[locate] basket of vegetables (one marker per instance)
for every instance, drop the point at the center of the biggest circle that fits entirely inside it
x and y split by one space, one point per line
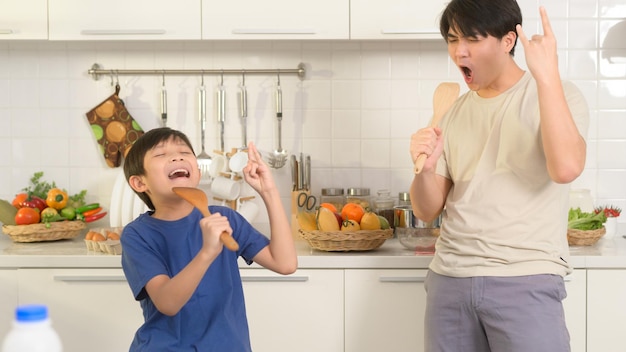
45 212
585 228
353 228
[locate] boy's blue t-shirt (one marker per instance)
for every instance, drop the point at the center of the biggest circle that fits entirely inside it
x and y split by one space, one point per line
214 318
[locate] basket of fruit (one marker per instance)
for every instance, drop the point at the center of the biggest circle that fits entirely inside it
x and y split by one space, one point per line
585 228
351 229
45 212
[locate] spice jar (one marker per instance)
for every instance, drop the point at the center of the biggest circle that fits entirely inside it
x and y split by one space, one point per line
404 198
334 196
359 196
384 205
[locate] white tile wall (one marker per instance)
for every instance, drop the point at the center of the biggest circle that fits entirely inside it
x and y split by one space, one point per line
353 114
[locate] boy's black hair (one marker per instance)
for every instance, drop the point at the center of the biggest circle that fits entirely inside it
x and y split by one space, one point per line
133 162
493 18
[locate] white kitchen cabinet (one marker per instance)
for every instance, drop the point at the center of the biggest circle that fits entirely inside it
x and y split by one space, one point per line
384 310
395 19
300 312
91 309
124 20
275 19
575 306
606 310
8 299
23 19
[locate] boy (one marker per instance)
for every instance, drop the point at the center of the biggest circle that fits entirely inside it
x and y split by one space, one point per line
500 165
188 285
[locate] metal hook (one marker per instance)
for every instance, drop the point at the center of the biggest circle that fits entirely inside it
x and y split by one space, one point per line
117 78
202 78
222 78
278 75
112 78
163 78
243 77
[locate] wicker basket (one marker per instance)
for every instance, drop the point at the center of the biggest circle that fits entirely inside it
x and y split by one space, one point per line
344 241
584 238
42 232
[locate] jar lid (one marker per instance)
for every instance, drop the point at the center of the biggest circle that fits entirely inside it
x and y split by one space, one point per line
332 191
358 191
404 196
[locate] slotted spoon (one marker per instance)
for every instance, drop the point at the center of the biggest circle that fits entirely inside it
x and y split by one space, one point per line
445 94
198 199
204 159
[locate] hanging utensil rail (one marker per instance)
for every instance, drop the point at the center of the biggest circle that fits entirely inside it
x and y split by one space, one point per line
96 71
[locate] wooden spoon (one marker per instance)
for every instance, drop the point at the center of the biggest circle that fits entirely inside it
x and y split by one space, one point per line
445 94
198 199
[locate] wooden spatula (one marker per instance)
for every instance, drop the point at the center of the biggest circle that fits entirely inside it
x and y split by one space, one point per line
445 94
198 199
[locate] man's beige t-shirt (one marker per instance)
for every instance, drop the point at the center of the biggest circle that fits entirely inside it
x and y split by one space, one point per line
504 216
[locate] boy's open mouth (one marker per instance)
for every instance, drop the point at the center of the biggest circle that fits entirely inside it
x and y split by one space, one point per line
467 73
178 173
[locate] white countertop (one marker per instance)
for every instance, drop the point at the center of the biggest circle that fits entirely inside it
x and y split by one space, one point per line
607 253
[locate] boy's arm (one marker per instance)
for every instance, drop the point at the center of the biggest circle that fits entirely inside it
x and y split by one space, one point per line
280 256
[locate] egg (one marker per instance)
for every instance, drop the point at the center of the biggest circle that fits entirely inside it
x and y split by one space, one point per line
89 235
98 237
112 235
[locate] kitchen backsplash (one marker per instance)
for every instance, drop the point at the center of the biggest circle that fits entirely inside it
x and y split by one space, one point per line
353 113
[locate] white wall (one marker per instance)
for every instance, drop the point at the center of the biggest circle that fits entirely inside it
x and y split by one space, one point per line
353 114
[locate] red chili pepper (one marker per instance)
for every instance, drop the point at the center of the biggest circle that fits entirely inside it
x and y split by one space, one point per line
95 217
92 212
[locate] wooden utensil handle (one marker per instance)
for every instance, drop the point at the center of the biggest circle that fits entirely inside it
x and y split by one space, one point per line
228 241
419 163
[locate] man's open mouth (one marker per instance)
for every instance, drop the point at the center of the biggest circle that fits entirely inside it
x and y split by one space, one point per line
467 72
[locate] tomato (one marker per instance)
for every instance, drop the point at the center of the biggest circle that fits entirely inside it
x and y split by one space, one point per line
19 199
27 216
329 206
352 211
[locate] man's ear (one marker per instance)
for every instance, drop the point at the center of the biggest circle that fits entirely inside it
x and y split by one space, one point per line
137 184
509 41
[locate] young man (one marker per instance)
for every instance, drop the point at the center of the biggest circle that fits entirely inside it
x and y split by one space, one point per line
499 167
188 285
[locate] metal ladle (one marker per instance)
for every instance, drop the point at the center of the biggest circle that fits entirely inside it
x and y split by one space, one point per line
278 158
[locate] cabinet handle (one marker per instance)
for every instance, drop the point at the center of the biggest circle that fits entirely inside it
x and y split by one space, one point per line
6 31
272 31
122 32
69 278
402 278
274 278
408 31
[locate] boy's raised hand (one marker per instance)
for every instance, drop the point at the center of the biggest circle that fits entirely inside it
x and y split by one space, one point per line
540 50
256 173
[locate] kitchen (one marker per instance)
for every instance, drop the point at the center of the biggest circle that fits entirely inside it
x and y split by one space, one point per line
353 113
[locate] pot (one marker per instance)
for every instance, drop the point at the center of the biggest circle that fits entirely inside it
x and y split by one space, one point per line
404 218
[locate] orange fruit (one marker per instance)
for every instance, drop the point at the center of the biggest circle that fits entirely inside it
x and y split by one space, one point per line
352 211
329 206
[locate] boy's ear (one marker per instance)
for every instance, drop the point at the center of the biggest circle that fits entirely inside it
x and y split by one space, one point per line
137 184
509 40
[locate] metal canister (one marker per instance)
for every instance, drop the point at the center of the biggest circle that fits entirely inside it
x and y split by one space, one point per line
334 196
359 196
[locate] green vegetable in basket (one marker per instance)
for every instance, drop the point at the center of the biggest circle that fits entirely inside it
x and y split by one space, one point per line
580 220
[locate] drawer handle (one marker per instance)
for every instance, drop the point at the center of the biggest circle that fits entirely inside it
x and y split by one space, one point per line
408 31
122 32
6 31
272 31
70 278
274 278
402 278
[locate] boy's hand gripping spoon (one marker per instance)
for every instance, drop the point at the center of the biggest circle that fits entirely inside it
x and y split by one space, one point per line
198 199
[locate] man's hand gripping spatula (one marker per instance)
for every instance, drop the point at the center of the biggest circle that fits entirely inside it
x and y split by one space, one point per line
198 199
445 94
